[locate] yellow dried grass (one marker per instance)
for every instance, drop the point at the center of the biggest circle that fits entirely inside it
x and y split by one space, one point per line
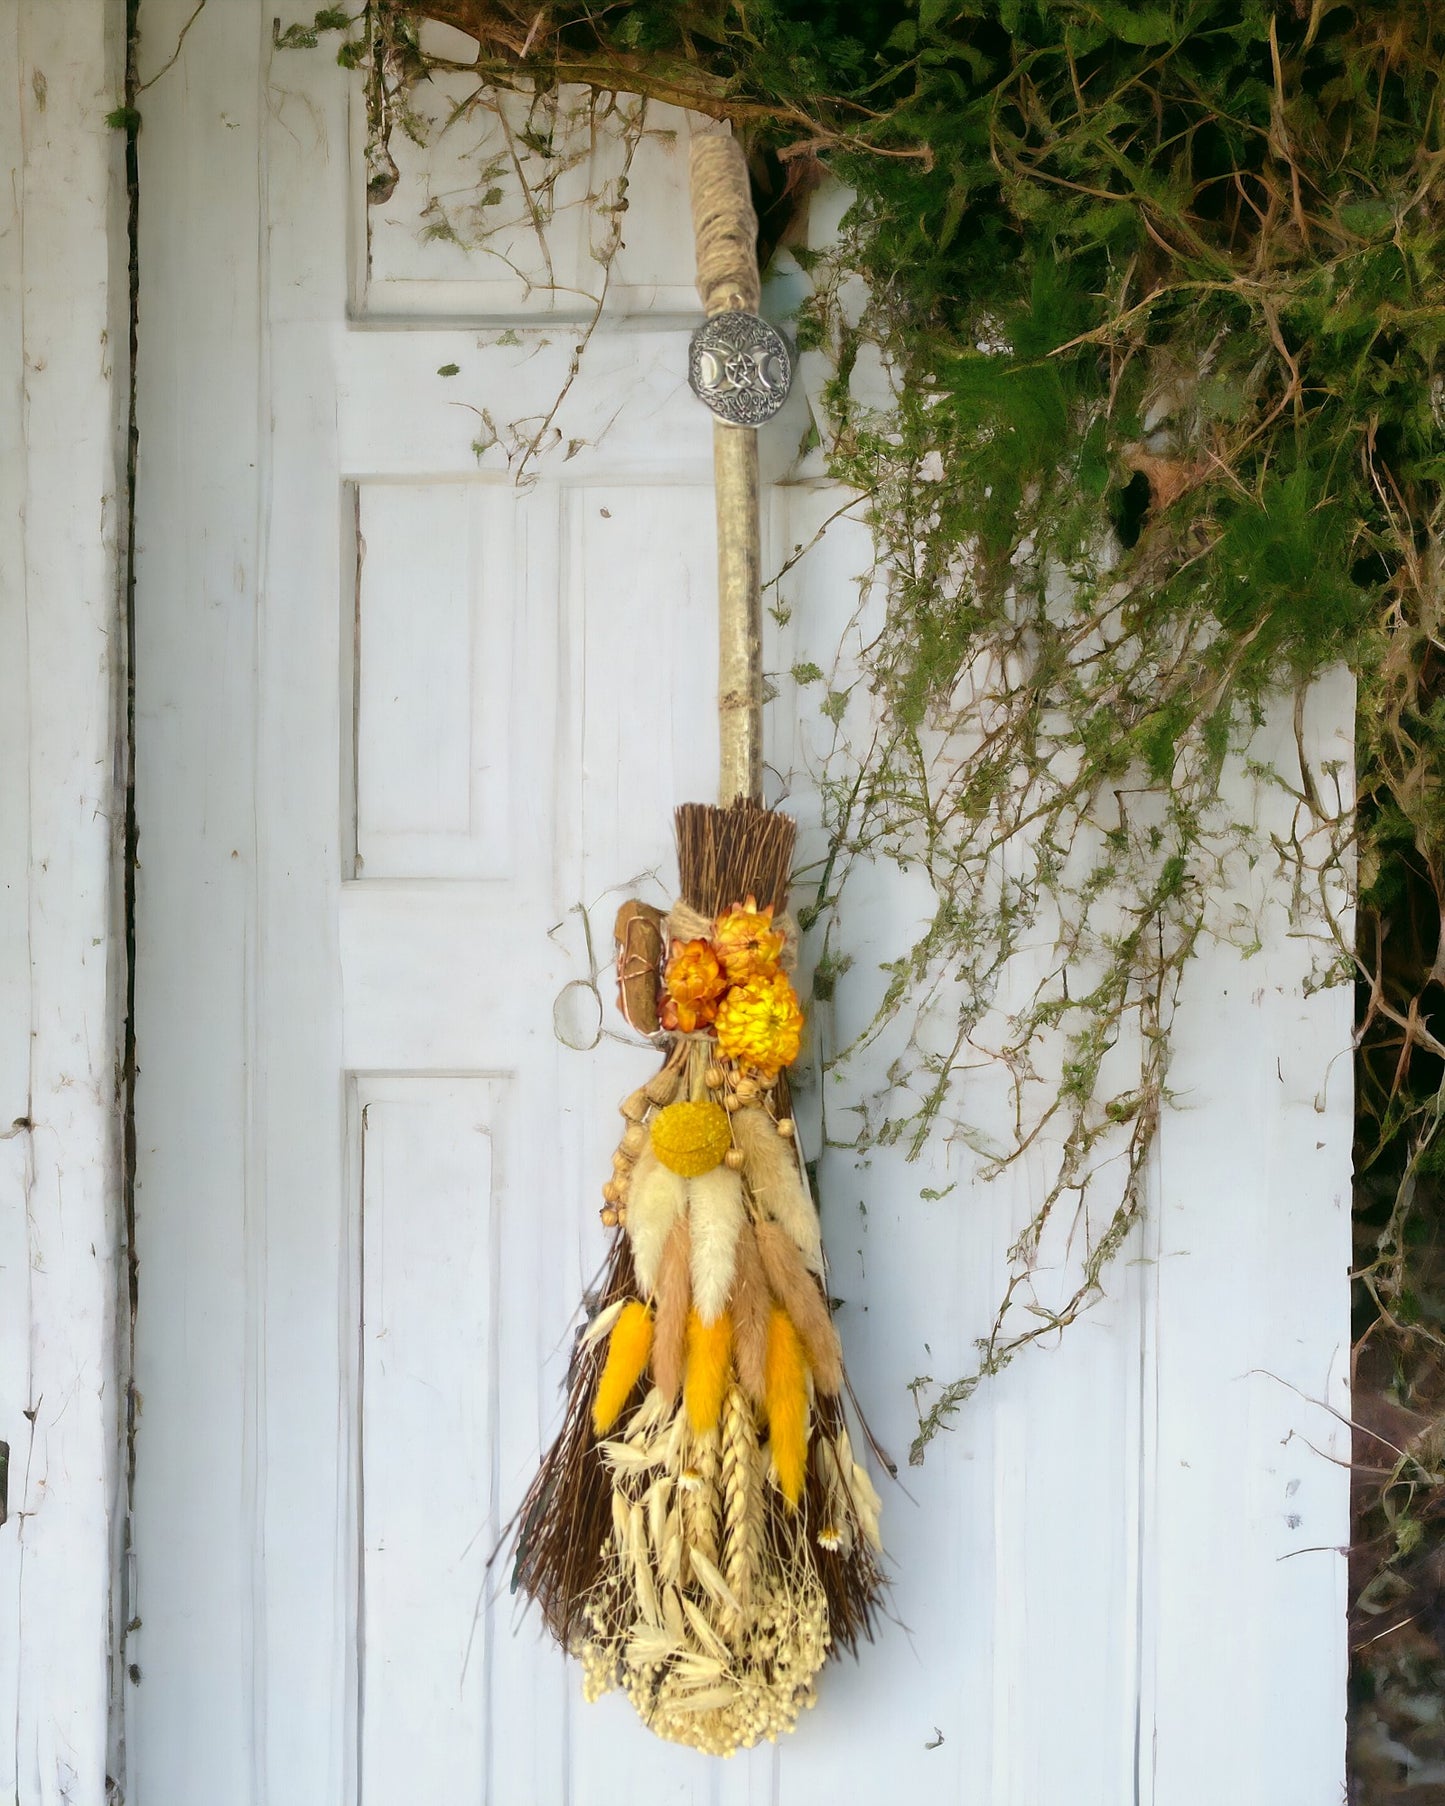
709 1367
627 1351
787 1392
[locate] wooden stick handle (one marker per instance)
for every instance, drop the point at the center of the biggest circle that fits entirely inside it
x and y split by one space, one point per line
726 230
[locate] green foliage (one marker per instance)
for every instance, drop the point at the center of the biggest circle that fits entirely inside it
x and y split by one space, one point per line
306 37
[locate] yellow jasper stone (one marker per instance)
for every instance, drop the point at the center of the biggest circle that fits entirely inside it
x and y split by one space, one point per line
690 1139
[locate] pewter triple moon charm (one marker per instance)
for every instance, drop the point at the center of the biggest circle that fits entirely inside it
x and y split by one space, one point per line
740 367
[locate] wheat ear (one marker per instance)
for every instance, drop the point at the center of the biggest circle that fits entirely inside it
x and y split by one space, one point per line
699 1492
742 1514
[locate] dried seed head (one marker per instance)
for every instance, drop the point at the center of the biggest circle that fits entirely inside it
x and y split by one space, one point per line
634 1106
734 1158
661 1088
787 1127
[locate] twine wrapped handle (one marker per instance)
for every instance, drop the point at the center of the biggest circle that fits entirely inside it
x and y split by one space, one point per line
724 225
726 229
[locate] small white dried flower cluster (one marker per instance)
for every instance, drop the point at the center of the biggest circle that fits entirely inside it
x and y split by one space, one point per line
720 1701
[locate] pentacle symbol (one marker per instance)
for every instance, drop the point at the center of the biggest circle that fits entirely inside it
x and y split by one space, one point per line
741 367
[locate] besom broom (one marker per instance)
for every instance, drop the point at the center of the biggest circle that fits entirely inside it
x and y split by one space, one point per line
701 1533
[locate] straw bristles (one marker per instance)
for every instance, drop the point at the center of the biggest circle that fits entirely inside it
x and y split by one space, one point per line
787 1405
715 1215
653 1206
770 1161
674 1301
564 1521
749 1306
627 1350
798 1292
726 854
709 1366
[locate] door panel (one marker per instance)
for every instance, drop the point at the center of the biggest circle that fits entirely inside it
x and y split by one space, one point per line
429 1165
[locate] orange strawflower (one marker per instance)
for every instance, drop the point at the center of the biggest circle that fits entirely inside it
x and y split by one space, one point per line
746 942
692 986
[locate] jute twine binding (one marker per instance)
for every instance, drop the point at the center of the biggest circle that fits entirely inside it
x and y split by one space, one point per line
725 224
684 924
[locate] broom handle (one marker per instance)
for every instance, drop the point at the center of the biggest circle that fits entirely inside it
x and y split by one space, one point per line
726 230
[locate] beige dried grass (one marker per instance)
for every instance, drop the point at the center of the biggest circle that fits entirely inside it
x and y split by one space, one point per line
715 1216
655 1202
674 1301
749 1306
801 1297
770 1161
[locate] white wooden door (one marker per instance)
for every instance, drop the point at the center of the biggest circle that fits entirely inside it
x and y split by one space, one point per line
406 728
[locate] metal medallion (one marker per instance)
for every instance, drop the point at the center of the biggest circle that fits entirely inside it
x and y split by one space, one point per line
740 367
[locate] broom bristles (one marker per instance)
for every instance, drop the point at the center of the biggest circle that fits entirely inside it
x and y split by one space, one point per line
726 855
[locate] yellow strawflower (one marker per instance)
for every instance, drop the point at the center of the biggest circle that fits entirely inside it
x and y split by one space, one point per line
760 1024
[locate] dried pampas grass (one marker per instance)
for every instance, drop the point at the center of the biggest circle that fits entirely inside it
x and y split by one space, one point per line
709 1367
674 1301
787 1405
628 1348
749 1306
715 1216
654 1204
802 1298
771 1163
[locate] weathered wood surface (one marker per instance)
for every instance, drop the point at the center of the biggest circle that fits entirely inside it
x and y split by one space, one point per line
63 315
399 723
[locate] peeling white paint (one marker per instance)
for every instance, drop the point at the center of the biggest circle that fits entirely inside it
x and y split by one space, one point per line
63 311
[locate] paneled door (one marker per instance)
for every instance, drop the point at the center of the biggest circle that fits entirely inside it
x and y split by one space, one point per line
424 659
